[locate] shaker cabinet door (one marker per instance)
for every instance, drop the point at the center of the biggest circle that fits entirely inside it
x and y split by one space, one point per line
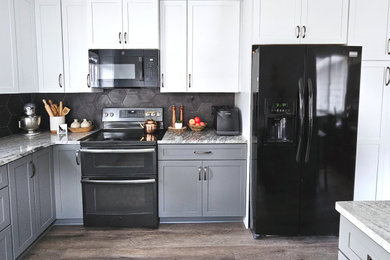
213 46
173 53
368 27
6 244
75 45
49 46
105 28
277 21
324 21
8 63
140 24
224 188
20 174
180 189
44 189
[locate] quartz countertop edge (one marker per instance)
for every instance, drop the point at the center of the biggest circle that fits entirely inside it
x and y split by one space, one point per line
16 146
207 136
371 217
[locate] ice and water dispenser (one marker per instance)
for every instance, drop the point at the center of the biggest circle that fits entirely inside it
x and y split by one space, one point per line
280 121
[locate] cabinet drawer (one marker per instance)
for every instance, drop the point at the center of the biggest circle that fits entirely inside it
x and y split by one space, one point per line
202 152
3 176
354 244
4 208
5 244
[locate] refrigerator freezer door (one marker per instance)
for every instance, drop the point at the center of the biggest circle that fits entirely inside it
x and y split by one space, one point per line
333 78
276 176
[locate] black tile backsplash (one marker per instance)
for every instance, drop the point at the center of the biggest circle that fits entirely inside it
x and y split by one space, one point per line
90 105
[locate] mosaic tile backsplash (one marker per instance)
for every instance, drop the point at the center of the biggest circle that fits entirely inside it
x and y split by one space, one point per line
90 105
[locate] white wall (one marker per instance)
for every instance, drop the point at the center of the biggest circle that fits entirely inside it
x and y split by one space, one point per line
243 99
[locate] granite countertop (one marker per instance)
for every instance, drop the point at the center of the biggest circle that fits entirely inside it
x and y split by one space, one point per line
206 136
371 217
16 146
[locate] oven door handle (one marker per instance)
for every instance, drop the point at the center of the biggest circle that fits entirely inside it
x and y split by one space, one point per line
147 150
119 182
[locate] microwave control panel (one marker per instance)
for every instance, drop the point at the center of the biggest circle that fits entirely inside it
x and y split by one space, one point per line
150 68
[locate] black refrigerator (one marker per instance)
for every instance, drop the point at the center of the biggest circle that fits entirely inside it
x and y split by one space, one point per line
305 112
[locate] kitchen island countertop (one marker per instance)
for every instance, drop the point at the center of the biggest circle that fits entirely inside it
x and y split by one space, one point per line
371 217
207 136
16 146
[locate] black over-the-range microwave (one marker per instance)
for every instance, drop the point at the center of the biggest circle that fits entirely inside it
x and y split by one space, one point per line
123 68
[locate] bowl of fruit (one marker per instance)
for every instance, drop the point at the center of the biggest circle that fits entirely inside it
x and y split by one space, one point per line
196 124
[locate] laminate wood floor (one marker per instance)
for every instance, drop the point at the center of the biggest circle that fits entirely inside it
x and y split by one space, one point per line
177 241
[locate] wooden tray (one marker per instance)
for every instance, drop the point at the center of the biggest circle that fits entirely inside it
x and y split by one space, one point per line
177 130
81 129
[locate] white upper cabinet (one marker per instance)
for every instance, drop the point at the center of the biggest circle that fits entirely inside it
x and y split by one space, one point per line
368 27
213 46
8 60
117 24
75 46
105 24
140 24
26 45
279 21
324 21
300 21
200 53
173 54
49 44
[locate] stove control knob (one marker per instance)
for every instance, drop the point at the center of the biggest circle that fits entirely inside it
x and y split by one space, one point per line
106 114
111 114
153 113
147 113
158 114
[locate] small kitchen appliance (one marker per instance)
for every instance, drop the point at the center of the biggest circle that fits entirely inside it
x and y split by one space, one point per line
119 170
226 120
31 121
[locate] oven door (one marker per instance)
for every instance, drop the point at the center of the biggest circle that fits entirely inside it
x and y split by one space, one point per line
113 163
120 203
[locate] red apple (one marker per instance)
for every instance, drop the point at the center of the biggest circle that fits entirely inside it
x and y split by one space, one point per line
197 124
191 122
197 119
202 123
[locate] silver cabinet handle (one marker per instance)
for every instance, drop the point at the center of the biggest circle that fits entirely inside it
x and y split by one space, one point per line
207 152
205 173
298 31
88 81
388 46
77 157
33 169
387 76
199 173
125 36
119 181
147 150
162 80
120 37
189 80
60 80
304 31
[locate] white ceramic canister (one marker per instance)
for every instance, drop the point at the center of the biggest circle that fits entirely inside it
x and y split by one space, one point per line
75 124
85 123
55 121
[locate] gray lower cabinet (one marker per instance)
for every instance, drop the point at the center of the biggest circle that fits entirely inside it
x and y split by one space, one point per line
201 188
6 244
44 189
67 176
21 184
224 188
31 198
180 189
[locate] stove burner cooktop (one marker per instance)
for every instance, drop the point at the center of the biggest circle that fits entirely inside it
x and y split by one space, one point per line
122 137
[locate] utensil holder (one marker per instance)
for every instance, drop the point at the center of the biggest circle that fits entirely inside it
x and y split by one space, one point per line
55 121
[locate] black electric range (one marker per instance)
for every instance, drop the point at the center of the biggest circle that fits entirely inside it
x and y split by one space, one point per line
119 170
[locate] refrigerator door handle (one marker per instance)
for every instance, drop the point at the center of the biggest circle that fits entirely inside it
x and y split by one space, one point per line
311 115
301 95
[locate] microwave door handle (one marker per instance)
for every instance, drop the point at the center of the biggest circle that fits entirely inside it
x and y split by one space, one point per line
141 74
